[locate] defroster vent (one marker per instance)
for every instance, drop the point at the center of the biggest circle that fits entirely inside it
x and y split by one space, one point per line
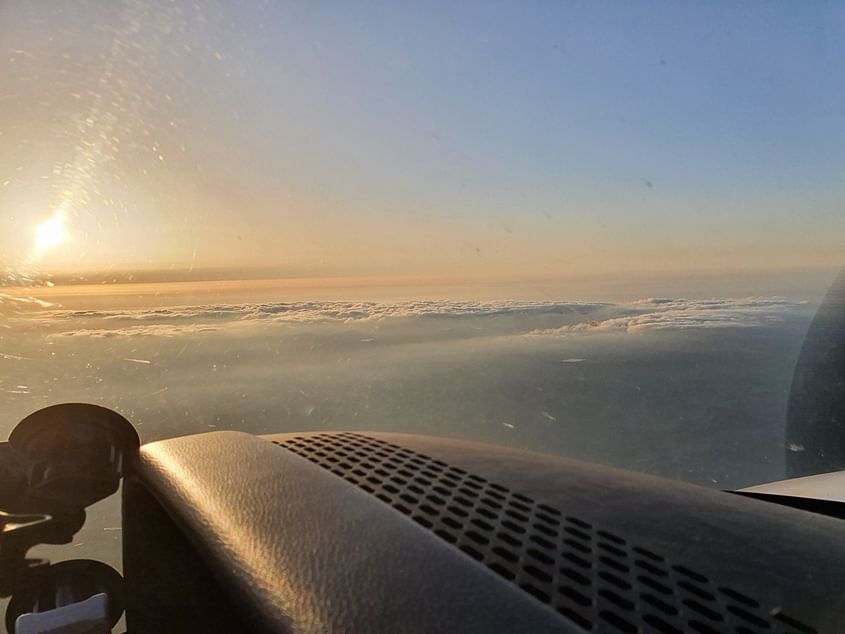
590 575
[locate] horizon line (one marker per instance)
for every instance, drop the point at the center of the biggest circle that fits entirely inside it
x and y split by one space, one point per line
242 274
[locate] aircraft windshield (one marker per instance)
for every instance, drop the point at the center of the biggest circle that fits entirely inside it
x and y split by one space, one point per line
599 230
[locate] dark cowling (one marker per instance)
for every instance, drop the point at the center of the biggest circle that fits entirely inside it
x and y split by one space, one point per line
815 422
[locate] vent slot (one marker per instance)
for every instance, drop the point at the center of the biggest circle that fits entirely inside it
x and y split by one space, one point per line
590 575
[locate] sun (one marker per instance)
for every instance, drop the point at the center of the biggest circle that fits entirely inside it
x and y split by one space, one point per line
50 233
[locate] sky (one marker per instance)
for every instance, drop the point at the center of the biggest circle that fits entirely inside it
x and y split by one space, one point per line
487 140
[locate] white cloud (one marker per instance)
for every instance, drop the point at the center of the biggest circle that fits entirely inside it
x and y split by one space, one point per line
683 314
152 330
19 301
322 311
564 318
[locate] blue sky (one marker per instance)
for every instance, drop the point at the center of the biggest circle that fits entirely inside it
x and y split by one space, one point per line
589 92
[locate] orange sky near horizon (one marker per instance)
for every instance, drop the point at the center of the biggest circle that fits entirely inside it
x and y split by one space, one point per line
803 285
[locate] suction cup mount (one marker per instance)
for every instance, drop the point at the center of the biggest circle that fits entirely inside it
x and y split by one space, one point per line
75 453
57 462
79 592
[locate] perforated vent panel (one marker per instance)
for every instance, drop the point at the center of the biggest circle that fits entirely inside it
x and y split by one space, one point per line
592 576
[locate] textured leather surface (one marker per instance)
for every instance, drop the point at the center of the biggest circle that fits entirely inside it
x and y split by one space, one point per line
783 557
301 550
168 585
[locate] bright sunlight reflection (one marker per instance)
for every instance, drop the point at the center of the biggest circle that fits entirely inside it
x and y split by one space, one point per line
50 233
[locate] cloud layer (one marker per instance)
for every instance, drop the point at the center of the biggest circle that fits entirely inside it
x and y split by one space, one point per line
537 319
692 389
683 314
332 311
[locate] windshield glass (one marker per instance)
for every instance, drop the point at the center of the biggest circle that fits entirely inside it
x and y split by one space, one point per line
598 230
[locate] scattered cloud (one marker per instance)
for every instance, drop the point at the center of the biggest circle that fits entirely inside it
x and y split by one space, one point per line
12 357
17 301
683 314
157 330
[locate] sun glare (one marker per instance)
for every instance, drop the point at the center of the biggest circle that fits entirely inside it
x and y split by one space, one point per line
50 233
